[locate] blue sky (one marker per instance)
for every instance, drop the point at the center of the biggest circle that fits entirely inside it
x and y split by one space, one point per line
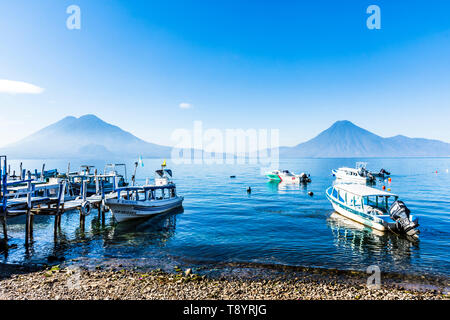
296 66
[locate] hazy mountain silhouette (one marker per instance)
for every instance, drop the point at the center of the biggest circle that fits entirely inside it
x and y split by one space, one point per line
86 136
345 139
90 137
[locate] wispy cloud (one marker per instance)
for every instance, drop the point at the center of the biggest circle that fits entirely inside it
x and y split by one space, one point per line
19 87
185 105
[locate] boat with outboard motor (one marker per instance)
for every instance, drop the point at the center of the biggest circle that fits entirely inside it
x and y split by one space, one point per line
374 208
359 174
145 201
287 176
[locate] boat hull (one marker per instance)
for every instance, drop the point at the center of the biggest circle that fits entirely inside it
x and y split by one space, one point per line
357 218
343 177
273 177
282 178
124 210
355 215
354 179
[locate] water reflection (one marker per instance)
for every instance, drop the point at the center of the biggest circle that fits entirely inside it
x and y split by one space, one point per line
72 241
365 241
283 186
154 231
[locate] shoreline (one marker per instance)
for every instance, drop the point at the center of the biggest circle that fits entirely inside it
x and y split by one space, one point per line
240 282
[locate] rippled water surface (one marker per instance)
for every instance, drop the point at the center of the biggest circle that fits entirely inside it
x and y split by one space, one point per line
275 224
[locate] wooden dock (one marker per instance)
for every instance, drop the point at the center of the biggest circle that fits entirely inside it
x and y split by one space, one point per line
25 195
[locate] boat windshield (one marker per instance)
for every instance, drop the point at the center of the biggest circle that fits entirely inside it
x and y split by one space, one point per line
380 202
147 194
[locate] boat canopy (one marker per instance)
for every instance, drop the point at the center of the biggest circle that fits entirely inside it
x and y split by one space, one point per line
363 191
161 172
138 188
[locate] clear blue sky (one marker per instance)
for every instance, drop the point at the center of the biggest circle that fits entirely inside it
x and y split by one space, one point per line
293 65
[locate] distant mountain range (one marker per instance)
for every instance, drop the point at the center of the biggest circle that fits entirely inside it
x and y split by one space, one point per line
84 137
90 137
346 140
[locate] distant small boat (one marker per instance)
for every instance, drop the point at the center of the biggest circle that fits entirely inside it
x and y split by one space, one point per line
371 207
287 176
355 175
382 174
111 178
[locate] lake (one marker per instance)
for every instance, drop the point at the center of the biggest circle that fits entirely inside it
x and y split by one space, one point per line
275 224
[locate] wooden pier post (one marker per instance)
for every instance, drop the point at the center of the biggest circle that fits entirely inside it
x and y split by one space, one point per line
82 221
102 203
84 194
42 172
4 191
59 206
59 217
28 222
5 229
31 226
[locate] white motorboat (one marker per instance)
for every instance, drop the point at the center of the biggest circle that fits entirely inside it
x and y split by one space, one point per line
287 176
143 201
148 200
354 175
374 208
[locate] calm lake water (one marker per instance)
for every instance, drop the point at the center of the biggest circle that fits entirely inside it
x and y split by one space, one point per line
275 224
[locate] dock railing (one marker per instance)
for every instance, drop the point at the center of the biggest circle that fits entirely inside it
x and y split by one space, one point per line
30 195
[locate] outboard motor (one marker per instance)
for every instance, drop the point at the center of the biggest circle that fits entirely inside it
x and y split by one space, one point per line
400 214
304 178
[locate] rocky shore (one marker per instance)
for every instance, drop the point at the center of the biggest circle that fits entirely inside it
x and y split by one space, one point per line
112 283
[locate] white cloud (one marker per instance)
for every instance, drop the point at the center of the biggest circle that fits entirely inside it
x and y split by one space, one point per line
18 87
185 105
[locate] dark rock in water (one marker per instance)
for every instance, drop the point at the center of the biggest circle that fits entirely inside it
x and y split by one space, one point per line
310 193
232 177
53 258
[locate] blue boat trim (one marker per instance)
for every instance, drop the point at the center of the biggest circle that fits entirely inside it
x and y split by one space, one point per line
351 210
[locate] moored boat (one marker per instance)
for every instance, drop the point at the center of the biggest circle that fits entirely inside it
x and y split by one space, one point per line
359 174
111 179
143 201
148 200
287 176
374 208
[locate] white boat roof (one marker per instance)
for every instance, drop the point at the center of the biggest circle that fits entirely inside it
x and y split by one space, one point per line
363 191
348 169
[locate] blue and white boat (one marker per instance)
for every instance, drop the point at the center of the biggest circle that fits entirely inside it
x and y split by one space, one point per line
372 207
145 201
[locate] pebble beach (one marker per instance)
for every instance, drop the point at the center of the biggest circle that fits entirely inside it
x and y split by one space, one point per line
67 283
